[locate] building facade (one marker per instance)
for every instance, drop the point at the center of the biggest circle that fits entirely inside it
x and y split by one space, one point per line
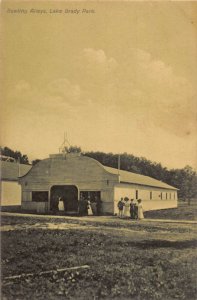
72 175
10 190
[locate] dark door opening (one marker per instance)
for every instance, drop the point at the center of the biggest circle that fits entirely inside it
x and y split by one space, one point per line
66 193
91 195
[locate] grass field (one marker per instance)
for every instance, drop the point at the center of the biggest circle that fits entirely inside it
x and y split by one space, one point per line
127 260
182 212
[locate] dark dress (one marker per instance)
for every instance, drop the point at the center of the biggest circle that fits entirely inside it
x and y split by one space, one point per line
132 210
85 207
136 211
80 207
98 207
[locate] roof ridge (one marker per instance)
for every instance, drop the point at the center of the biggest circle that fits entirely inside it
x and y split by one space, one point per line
150 180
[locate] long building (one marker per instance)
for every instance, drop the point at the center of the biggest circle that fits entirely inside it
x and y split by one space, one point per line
72 175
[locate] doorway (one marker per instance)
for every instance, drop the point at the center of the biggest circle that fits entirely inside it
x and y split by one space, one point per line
67 194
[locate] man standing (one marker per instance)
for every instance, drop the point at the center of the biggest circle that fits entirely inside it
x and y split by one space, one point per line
98 206
56 204
132 209
85 206
80 206
120 208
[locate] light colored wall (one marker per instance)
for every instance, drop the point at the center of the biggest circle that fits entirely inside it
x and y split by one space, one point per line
158 204
129 190
10 193
88 175
85 173
107 197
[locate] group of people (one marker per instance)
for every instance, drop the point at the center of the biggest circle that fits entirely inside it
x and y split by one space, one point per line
130 209
86 207
89 208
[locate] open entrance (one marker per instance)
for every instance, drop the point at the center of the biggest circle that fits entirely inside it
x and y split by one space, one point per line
93 196
65 197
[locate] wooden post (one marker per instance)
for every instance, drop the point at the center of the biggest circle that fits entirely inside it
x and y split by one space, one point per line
46 272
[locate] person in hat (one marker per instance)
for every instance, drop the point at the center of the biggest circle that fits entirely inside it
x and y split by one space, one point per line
98 206
120 208
126 211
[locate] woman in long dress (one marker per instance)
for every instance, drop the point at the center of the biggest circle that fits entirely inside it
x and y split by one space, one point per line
90 213
140 210
126 208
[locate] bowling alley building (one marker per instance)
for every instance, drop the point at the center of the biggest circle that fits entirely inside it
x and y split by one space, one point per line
73 175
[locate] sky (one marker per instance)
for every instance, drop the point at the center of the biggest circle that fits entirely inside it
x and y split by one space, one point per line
119 78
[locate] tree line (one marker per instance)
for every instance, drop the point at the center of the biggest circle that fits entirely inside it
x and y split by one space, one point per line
17 155
184 179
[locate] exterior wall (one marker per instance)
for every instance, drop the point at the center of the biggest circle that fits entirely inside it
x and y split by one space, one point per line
10 193
83 172
10 171
88 175
157 202
107 197
38 207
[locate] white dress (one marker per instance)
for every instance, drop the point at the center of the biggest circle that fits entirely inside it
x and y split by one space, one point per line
127 209
90 213
61 205
140 212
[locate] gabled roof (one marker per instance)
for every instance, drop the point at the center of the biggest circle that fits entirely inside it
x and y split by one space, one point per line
129 177
125 176
12 170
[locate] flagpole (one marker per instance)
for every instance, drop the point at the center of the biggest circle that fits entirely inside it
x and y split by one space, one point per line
119 167
18 160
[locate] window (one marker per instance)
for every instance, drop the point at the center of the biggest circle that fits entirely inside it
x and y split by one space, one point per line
170 196
136 194
150 195
92 195
166 196
161 195
40 196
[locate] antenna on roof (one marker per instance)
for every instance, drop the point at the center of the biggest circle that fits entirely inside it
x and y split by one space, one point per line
62 148
118 163
19 169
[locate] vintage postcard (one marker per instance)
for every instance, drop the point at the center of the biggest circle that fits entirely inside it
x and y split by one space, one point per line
98 146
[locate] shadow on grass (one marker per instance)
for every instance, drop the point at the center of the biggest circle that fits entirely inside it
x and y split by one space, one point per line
164 244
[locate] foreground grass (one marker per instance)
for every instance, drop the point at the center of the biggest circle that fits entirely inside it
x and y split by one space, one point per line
126 262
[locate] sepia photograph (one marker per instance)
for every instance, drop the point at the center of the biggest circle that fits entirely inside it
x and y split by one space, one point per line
98 150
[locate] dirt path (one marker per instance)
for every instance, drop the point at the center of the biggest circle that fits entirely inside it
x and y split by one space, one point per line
101 219
132 233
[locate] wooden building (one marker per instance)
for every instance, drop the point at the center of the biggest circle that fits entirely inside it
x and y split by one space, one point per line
10 190
73 175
